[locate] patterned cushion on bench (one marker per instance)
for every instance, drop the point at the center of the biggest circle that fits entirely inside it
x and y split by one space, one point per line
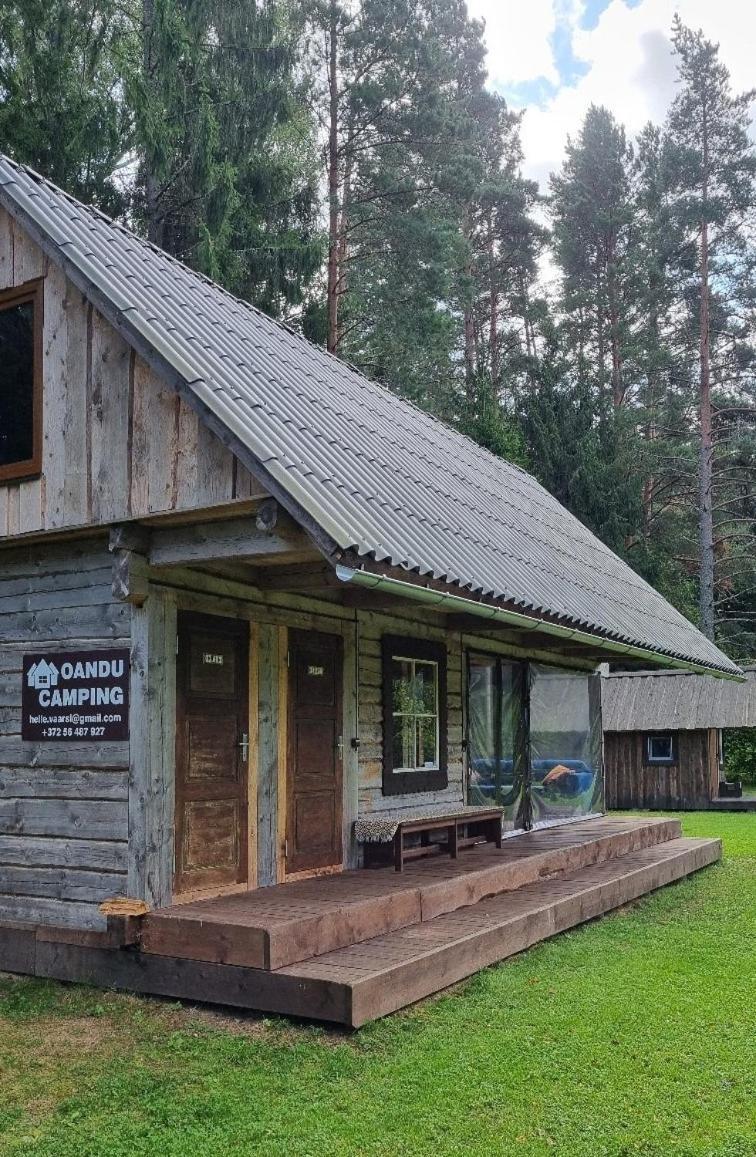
381 827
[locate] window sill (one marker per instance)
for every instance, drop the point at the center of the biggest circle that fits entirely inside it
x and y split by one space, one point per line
20 472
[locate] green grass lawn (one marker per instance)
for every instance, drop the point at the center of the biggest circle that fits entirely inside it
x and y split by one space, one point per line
635 1035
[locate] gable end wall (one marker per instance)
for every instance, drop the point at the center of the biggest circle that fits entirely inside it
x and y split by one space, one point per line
118 442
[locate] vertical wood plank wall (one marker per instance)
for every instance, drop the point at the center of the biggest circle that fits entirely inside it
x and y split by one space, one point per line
631 783
153 741
117 441
64 812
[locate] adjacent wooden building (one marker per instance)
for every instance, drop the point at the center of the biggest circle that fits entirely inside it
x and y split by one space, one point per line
256 614
663 737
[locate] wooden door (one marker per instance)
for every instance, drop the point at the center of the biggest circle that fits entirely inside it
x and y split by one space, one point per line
212 752
314 752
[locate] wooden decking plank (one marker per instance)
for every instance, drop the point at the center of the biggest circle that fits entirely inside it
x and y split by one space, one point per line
293 921
374 976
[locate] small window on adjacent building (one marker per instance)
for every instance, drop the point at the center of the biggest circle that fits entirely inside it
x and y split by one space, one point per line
661 748
21 382
414 716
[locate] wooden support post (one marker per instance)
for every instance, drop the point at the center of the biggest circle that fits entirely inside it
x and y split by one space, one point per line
131 581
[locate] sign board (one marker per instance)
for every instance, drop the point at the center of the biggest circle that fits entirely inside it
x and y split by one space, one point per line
75 695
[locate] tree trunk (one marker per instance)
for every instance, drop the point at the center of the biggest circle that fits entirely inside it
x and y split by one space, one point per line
706 447
151 183
333 184
469 318
618 393
493 304
705 456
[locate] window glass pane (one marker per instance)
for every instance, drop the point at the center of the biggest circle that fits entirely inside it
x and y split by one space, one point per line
415 708
16 383
565 744
425 687
427 741
404 741
494 709
401 677
660 747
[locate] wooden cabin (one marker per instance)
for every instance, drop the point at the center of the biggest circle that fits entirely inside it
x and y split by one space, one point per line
663 744
263 623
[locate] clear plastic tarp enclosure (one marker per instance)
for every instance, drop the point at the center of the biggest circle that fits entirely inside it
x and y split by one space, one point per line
496 735
551 772
565 744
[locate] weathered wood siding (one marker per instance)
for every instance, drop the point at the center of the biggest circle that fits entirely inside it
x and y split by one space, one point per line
274 612
63 805
687 784
118 442
372 626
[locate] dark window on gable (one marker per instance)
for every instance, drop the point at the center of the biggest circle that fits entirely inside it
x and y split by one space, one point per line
21 381
414 716
661 748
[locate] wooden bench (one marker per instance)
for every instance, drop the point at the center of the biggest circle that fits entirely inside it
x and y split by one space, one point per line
487 820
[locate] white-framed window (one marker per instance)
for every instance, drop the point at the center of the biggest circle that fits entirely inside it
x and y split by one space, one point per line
414 684
661 748
414 715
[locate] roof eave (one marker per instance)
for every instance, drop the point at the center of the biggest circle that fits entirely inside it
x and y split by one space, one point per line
452 601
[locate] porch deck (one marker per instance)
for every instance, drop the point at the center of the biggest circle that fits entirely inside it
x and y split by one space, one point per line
353 947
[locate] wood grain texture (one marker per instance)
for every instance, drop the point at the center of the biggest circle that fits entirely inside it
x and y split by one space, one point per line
268 724
151 785
632 783
63 805
117 440
367 977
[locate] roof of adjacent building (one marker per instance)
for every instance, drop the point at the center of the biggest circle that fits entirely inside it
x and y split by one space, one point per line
676 701
377 481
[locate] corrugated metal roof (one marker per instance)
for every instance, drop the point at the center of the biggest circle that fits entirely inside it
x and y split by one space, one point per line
380 478
676 701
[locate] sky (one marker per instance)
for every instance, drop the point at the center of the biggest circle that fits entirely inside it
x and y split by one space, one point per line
554 58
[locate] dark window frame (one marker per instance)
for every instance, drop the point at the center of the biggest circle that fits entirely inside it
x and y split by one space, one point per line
652 761
30 291
424 779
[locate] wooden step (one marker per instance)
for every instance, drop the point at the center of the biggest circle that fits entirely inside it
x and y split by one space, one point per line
358 983
274 927
388 972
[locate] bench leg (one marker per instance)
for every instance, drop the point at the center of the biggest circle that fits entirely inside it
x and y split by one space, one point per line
399 851
453 841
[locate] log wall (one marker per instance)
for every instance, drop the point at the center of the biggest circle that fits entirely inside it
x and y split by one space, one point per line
64 818
80 822
686 785
118 442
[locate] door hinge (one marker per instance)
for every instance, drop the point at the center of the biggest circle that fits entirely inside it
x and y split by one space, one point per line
288 658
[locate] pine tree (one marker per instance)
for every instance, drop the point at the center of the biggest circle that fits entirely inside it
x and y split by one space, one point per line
592 213
226 176
716 192
61 103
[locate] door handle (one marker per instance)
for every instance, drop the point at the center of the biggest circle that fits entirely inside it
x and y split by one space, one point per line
244 745
340 748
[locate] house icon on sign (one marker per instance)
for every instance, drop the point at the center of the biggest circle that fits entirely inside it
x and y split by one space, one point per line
42 674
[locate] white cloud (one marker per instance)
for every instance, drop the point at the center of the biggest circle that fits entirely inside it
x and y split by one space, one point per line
518 37
627 56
